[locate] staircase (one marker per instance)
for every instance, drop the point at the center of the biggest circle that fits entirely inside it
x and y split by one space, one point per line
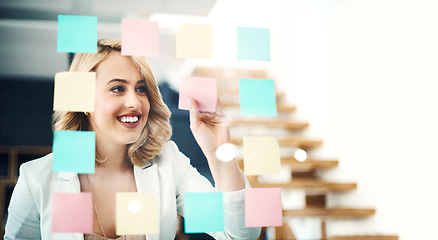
304 175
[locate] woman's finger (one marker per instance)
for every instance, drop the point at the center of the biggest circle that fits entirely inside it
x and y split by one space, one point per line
194 112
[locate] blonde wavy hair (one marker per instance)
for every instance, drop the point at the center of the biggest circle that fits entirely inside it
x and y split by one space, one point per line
157 130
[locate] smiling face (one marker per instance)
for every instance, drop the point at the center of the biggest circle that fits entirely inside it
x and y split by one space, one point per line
122 104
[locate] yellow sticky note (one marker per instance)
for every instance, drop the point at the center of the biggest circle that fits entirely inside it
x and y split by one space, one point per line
261 155
74 91
136 213
193 41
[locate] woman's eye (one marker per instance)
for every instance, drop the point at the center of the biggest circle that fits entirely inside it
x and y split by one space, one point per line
117 89
141 89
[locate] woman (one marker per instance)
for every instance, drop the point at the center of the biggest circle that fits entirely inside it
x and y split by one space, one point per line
133 153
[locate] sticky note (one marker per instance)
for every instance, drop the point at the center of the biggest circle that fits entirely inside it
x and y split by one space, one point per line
193 41
136 213
253 44
202 90
74 151
261 155
263 207
77 34
140 38
203 212
74 91
72 212
257 97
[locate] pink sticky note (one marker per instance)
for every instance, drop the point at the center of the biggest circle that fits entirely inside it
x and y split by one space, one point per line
72 213
140 38
263 207
202 90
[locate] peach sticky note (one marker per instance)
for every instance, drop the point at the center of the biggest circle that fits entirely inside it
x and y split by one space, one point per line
72 213
202 90
193 41
261 155
263 207
140 38
136 213
74 91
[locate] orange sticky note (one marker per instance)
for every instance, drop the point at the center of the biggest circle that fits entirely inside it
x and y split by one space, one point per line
74 91
72 213
202 90
140 38
136 213
193 41
261 155
263 207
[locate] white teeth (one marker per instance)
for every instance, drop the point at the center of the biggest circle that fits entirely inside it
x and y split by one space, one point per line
129 119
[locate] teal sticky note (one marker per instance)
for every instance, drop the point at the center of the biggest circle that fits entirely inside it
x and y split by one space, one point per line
74 151
257 97
253 44
203 212
77 34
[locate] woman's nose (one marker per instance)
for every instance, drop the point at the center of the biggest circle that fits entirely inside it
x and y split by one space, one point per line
132 100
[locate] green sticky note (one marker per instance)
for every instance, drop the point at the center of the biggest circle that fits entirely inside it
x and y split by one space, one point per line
203 212
74 151
253 44
77 34
257 97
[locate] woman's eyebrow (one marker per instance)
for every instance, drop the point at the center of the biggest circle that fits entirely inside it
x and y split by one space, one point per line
141 81
116 80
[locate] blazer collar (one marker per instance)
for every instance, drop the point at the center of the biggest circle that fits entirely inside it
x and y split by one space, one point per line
67 182
146 179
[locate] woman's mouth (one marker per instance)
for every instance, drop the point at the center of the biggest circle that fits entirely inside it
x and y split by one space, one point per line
129 121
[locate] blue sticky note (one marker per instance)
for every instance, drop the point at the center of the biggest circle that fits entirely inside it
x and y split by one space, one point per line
74 151
203 212
253 44
77 34
257 97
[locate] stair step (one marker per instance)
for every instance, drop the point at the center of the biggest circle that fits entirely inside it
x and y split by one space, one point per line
234 91
309 164
332 213
295 142
307 184
287 124
363 237
228 74
280 107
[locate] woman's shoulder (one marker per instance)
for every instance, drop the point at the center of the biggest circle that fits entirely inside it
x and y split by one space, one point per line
38 167
170 150
170 156
44 162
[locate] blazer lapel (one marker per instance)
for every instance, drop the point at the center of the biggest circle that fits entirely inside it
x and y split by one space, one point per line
147 180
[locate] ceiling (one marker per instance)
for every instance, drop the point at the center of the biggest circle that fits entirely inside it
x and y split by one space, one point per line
28 29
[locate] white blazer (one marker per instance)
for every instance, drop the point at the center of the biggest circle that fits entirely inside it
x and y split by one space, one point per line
167 177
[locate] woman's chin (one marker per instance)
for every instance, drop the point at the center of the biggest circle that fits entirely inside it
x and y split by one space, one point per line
132 140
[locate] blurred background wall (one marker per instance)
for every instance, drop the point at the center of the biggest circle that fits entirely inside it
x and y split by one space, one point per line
363 73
